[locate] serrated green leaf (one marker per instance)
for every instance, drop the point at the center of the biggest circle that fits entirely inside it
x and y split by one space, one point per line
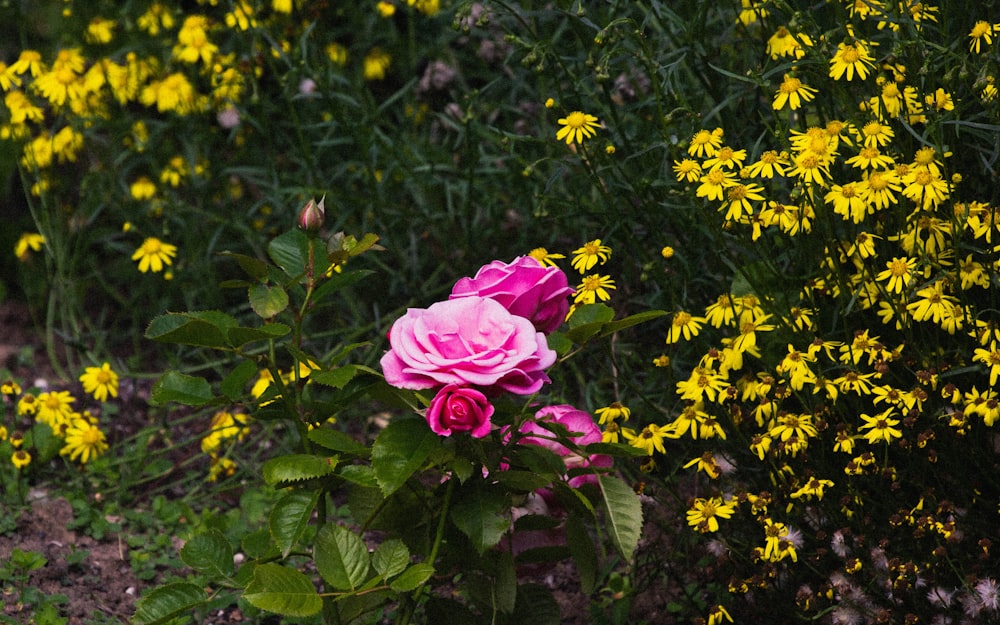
241 336
209 553
524 481
624 514
202 329
401 449
284 591
297 467
359 474
335 440
341 557
290 517
366 243
181 388
267 300
167 602
290 251
339 281
412 577
391 558
481 513
234 385
337 378
583 551
591 313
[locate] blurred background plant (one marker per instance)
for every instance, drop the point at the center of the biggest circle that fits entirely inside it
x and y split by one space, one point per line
809 190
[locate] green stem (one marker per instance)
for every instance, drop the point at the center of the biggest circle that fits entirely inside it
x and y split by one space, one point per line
407 614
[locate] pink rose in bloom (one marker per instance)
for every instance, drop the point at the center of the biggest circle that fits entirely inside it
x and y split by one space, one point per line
583 431
469 341
525 287
460 409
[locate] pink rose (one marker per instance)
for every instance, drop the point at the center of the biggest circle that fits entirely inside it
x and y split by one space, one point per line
525 287
460 409
469 341
583 431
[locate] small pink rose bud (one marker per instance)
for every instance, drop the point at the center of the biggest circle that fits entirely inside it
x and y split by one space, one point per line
312 215
460 409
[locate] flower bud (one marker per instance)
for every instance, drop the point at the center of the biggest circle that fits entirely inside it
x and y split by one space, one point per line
312 215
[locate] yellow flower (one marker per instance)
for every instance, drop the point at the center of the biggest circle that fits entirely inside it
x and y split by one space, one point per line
193 44
738 197
281 6
849 59
784 43
726 157
545 257
881 427
156 16
22 109
100 30
612 413
54 408
587 256
29 242
899 273
62 82
385 9
376 64
713 183
982 32
142 189
705 143
592 288
576 127
792 92
687 170
849 201
770 163
84 441
20 459
337 54
684 325
703 383
154 254
776 544
812 488
650 439
704 514
100 382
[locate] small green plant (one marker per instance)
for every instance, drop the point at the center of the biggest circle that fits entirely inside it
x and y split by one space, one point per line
22 602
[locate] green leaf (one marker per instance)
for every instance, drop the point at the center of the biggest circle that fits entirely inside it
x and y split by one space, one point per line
209 553
591 313
359 474
297 467
341 557
480 512
284 591
167 602
624 514
584 553
267 301
290 251
339 281
337 378
631 320
253 267
234 385
413 577
401 449
203 329
290 517
241 335
335 440
174 386
391 558
524 481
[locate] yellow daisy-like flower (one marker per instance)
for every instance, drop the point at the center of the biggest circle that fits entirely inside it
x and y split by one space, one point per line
613 412
881 427
20 459
792 92
684 326
100 30
545 257
576 127
705 143
100 382
29 242
982 33
704 514
898 272
687 170
591 253
54 408
851 59
154 254
650 439
594 287
142 189
84 441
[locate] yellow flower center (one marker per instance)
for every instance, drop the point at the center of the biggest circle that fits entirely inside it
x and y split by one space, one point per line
576 119
847 190
980 29
877 182
737 193
52 402
790 85
850 54
898 267
90 437
725 154
103 377
682 319
923 178
716 176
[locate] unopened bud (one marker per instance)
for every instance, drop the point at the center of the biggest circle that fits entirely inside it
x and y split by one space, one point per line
312 215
